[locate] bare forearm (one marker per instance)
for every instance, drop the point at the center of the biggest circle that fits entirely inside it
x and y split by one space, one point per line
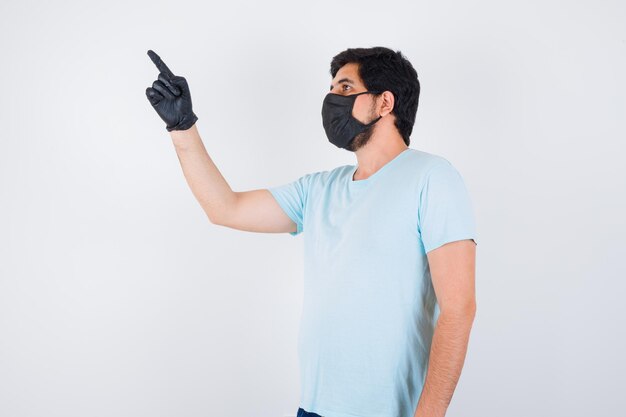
447 355
205 180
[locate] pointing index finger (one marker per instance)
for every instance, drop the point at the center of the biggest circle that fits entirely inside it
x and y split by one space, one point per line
159 63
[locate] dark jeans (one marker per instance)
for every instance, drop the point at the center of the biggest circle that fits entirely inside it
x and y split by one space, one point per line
303 413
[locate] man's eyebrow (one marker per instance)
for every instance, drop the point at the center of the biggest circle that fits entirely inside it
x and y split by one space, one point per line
343 80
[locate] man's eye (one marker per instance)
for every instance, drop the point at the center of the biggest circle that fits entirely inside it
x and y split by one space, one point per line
345 86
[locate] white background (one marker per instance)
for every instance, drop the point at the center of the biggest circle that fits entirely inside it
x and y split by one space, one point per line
119 298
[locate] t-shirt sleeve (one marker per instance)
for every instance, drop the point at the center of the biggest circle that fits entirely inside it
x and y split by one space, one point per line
445 208
291 197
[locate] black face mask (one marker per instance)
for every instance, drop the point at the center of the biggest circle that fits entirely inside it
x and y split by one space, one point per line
340 126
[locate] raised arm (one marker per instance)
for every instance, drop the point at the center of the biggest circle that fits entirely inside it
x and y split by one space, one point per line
253 211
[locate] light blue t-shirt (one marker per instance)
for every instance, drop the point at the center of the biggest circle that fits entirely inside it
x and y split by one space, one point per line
369 308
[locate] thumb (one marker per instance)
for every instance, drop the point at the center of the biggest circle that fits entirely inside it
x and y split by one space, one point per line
153 96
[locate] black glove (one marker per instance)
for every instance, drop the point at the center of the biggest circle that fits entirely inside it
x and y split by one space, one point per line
170 97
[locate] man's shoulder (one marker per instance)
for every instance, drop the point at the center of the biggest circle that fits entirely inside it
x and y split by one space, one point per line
421 163
329 175
427 159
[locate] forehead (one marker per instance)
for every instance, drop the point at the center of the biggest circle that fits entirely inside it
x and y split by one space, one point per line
349 71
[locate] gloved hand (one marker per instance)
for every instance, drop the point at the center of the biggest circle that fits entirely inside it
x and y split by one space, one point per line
170 97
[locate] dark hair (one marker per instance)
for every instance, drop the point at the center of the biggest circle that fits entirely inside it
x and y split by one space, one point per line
383 69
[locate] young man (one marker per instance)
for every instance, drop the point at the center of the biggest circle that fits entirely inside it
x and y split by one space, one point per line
389 245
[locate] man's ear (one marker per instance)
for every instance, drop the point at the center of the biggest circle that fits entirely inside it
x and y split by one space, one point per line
388 101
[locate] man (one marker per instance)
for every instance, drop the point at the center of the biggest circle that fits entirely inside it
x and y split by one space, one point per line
389 244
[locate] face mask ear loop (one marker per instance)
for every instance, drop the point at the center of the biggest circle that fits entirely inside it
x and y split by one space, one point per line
379 117
373 121
365 92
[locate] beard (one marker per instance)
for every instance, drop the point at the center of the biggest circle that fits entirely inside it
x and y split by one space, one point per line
362 138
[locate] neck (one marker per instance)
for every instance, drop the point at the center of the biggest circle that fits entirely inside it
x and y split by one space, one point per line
376 153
